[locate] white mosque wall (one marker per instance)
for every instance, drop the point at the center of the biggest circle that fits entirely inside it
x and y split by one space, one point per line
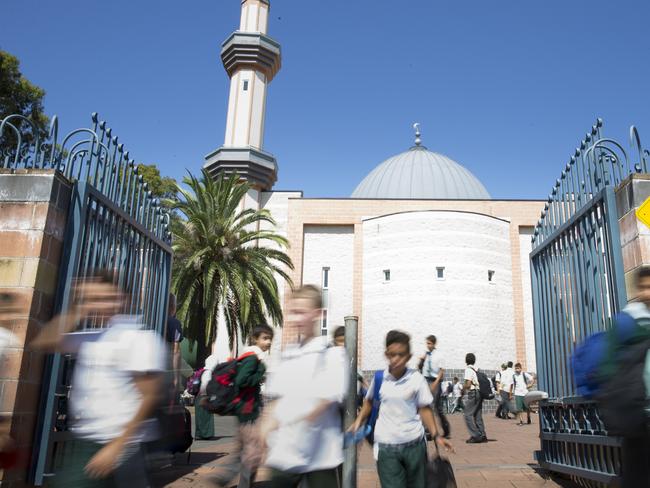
464 310
332 247
525 246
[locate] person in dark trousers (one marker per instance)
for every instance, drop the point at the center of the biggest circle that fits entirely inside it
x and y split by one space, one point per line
405 409
174 336
501 409
473 403
636 447
434 373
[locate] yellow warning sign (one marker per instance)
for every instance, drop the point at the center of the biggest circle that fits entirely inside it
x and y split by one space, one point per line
643 212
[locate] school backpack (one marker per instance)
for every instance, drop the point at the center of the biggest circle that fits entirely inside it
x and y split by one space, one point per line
376 402
193 385
588 357
222 395
622 397
484 386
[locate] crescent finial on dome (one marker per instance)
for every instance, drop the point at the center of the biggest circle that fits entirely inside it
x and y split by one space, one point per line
418 141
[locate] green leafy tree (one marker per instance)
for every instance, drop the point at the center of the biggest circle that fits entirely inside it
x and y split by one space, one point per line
223 261
19 96
161 186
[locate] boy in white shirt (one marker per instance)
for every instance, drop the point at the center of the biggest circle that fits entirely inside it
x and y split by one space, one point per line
521 381
457 396
303 425
405 400
473 404
116 385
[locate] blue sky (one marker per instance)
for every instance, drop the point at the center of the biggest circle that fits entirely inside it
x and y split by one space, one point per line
505 88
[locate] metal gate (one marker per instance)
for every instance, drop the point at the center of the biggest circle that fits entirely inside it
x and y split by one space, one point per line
114 223
578 285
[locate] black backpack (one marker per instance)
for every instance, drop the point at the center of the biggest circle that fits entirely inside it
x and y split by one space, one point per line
484 386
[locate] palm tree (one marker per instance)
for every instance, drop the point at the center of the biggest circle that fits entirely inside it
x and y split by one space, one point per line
222 267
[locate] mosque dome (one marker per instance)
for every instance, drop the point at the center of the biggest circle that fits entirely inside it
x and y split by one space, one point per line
421 174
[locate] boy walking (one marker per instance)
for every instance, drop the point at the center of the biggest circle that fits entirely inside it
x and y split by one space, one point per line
473 404
406 401
457 393
522 382
433 373
115 390
303 425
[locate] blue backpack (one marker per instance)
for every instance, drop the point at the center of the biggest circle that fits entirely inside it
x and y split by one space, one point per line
376 402
588 357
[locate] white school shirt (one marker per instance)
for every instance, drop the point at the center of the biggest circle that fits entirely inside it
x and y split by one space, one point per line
507 379
398 420
458 390
104 396
470 374
431 366
520 380
306 376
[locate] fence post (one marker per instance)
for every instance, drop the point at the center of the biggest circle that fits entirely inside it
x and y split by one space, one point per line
350 454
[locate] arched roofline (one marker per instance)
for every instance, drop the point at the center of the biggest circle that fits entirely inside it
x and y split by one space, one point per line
436 211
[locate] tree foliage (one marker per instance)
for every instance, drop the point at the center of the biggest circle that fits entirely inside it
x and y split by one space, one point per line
225 268
19 96
161 186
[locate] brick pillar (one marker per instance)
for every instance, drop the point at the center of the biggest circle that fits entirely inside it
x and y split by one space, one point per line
635 235
33 213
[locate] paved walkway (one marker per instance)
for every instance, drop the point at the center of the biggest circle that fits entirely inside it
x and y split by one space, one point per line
507 461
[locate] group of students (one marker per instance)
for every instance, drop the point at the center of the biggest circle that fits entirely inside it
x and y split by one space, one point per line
297 429
511 387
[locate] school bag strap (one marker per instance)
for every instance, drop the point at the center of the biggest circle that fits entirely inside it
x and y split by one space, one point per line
376 402
379 378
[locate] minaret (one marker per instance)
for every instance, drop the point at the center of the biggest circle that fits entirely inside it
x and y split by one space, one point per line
251 59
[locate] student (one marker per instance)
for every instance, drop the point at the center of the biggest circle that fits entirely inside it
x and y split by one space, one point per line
522 382
501 412
627 370
303 424
405 405
434 373
249 378
473 404
506 386
251 370
8 313
204 420
174 337
116 386
457 393
338 340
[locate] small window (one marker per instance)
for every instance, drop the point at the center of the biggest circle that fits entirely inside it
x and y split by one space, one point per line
491 275
387 275
325 278
440 272
323 322
245 85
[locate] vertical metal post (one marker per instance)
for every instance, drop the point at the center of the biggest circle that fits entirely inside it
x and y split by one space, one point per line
350 454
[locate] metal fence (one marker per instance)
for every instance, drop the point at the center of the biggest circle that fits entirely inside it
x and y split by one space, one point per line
578 285
114 223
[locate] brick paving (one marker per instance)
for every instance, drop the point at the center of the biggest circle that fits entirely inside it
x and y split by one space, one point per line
506 461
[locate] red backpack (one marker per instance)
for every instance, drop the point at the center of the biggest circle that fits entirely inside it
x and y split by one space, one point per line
222 395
